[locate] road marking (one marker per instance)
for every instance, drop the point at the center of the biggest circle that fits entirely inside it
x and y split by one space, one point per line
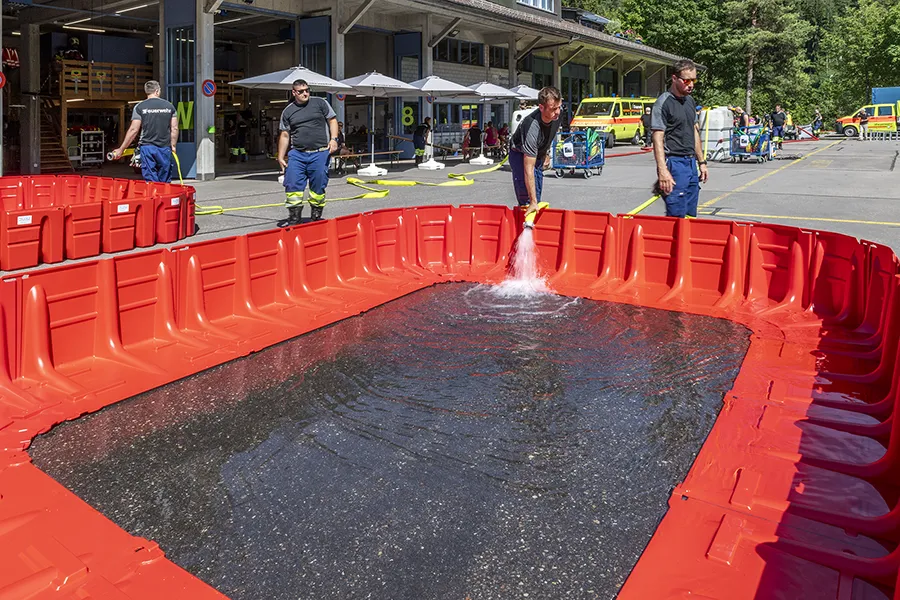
820 164
793 218
635 211
769 174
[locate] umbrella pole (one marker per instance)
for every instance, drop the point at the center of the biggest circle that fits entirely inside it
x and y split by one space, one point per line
372 129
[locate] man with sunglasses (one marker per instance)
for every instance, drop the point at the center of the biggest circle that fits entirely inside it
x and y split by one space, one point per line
309 128
676 143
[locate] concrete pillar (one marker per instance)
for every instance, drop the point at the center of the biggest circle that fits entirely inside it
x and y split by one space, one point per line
204 108
159 51
620 76
427 65
557 70
31 116
592 66
338 45
643 81
297 58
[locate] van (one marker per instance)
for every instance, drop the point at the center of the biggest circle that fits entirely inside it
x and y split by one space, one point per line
882 117
619 118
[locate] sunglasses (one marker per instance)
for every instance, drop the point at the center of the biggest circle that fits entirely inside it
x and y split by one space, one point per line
303 91
687 80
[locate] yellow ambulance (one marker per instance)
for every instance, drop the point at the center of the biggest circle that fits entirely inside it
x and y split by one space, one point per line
619 118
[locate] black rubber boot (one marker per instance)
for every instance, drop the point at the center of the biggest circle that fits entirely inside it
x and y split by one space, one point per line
295 214
316 212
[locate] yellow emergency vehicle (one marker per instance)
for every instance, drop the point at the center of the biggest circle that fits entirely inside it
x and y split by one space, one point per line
882 117
619 118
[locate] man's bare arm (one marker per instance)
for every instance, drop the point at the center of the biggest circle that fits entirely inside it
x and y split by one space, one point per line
666 182
530 187
132 132
173 135
283 141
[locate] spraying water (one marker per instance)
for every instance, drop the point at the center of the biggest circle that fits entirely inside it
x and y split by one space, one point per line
523 279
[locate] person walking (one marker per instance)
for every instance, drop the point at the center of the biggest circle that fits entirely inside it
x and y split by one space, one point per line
646 121
530 146
676 143
779 118
157 122
863 117
238 139
420 139
309 128
817 123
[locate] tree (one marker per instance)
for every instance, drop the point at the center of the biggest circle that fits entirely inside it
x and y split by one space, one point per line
769 35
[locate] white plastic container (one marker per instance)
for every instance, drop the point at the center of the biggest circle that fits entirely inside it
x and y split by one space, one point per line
717 139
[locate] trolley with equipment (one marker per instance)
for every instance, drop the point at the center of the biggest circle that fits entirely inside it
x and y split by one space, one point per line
579 151
752 142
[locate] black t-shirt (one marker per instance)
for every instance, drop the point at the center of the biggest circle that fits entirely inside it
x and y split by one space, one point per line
676 117
533 137
778 119
421 131
155 115
308 123
863 116
646 120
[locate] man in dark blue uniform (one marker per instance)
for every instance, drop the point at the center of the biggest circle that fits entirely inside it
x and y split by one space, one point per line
676 143
157 122
309 127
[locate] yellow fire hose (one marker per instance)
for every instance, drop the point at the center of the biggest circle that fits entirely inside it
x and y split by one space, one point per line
457 179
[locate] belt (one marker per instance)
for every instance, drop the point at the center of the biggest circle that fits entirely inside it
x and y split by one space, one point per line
322 149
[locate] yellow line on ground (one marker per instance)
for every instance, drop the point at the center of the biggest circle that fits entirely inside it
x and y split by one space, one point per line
643 206
769 174
794 218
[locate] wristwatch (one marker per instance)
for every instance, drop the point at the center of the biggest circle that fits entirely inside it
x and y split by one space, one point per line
701 163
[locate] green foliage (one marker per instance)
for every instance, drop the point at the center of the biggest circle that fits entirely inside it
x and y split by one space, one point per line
804 53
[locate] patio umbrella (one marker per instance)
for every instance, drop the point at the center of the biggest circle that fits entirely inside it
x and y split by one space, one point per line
378 86
529 93
437 87
283 80
485 91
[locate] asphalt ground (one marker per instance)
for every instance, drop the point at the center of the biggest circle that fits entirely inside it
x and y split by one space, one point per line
835 184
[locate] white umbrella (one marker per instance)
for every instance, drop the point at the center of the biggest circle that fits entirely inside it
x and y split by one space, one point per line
485 90
378 86
439 88
284 80
526 92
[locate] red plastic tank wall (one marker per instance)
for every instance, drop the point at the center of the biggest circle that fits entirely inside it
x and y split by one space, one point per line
48 218
793 495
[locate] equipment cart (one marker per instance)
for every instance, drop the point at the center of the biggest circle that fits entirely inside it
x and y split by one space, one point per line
751 142
579 150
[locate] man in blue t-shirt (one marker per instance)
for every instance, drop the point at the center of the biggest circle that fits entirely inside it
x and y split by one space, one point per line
676 143
157 121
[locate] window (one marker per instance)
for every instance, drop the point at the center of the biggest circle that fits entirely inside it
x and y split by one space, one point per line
594 109
446 114
885 111
539 4
499 57
456 51
180 63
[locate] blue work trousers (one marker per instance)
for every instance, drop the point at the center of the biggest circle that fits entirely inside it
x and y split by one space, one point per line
517 165
685 195
303 168
156 163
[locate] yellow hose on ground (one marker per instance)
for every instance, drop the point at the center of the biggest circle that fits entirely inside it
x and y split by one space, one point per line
458 179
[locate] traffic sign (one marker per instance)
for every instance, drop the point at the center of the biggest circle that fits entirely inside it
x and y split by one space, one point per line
341 97
2 80
209 88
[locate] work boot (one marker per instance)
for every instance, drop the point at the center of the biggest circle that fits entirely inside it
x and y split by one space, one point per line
315 212
295 214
